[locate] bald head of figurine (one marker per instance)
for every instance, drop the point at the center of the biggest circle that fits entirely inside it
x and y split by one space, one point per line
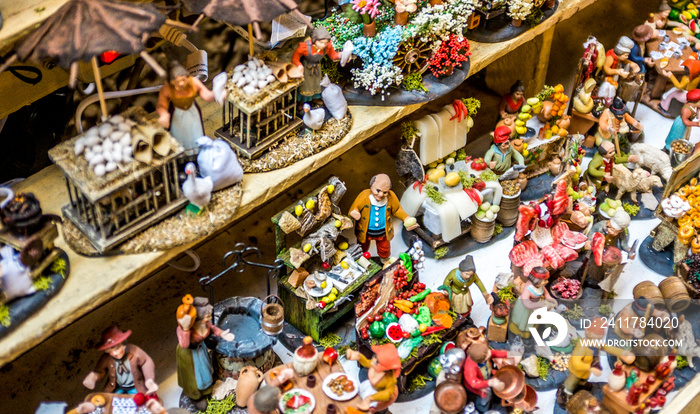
606 149
380 186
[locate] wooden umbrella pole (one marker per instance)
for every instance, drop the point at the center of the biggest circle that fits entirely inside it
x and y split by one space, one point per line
250 40
617 145
98 83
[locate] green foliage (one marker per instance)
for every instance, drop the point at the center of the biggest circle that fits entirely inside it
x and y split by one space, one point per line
59 266
498 228
413 354
575 313
605 309
472 105
382 341
543 367
42 283
506 294
440 252
4 315
414 82
434 194
418 383
434 338
488 175
220 406
461 155
330 341
343 348
466 179
574 341
330 68
535 17
408 131
631 209
681 362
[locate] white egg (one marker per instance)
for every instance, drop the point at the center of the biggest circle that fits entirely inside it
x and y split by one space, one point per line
79 147
117 135
269 78
105 129
249 89
107 145
111 166
236 76
239 68
127 151
117 155
100 170
252 65
96 159
252 76
262 84
126 140
92 132
242 81
107 155
97 149
116 119
91 141
127 159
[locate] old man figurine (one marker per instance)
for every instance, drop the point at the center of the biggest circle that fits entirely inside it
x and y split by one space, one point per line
372 210
128 369
460 280
600 169
501 156
614 230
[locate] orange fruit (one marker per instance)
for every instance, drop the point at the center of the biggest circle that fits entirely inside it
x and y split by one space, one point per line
559 88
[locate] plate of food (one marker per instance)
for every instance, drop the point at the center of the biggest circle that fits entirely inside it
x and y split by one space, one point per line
313 287
297 401
340 387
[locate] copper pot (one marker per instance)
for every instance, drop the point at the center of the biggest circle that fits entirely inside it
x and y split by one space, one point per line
514 380
529 403
450 397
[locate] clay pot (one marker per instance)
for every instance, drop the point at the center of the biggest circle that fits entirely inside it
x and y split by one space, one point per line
550 4
564 122
555 166
450 397
516 22
186 309
522 179
514 380
248 381
369 30
305 358
449 70
517 144
400 19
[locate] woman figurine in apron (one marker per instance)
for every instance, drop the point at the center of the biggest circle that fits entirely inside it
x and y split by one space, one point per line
680 129
308 55
180 90
194 367
511 102
533 296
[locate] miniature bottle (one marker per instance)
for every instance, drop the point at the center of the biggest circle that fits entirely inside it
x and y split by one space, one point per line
305 358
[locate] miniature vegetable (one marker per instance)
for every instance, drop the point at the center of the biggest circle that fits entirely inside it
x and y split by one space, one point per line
330 355
394 332
420 296
443 319
478 164
376 329
423 315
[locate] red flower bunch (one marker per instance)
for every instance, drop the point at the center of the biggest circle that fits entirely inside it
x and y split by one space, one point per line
450 54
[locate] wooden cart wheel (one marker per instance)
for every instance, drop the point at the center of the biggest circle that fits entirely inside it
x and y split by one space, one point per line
413 56
32 252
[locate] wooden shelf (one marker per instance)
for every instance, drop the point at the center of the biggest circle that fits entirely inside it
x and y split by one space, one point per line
94 281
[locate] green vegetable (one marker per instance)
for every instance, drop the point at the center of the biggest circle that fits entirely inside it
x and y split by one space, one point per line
545 93
466 179
423 316
631 209
389 318
575 313
220 406
59 266
543 367
681 362
434 194
408 264
488 176
377 329
419 382
472 105
605 309
440 252
420 296
506 294
497 229
42 283
408 131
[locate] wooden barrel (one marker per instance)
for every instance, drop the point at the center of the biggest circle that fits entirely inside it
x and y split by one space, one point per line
508 214
272 316
648 356
675 293
651 292
482 231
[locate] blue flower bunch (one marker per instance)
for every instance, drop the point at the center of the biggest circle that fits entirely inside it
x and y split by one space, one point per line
381 49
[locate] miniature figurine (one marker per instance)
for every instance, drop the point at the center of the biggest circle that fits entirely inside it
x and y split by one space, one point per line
641 35
584 359
681 88
379 390
449 395
129 370
194 367
197 190
615 120
312 51
533 296
639 180
477 373
680 129
511 102
599 171
627 328
583 102
313 119
372 211
500 156
459 281
265 401
180 90
616 58
614 230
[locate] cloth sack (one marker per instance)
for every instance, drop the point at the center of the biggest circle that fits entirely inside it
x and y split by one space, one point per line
217 160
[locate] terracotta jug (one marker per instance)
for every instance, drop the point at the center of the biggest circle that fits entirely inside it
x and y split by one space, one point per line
522 180
305 358
186 309
617 379
555 166
248 381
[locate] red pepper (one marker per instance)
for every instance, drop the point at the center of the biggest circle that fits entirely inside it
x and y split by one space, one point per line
432 329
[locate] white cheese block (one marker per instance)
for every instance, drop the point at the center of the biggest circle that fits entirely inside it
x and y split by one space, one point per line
429 139
412 199
448 216
464 205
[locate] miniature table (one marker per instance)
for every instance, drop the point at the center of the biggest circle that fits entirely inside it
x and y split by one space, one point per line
109 399
616 401
322 400
674 64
